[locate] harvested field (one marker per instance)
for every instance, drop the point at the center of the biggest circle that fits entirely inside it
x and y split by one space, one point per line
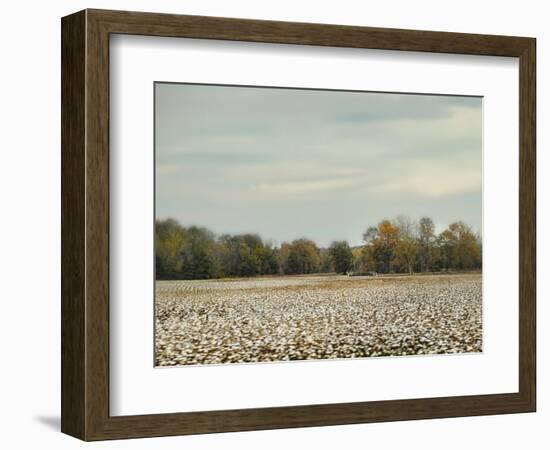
315 317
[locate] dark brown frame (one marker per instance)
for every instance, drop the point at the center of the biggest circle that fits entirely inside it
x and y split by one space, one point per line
85 224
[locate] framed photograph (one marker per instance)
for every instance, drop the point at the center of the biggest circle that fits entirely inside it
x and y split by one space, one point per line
273 225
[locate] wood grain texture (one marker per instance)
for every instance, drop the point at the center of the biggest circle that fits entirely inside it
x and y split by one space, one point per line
73 226
85 224
527 224
97 226
152 24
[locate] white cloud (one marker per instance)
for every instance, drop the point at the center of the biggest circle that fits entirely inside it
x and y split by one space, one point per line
167 169
291 162
306 186
432 185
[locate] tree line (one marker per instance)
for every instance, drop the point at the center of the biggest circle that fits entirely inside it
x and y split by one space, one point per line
401 245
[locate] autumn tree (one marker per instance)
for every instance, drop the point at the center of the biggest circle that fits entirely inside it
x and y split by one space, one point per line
404 255
447 244
427 248
247 255
326 264
198 255
406 247
303 257
380 245
341 256
399 245
468 249
360 263
460 247
169 243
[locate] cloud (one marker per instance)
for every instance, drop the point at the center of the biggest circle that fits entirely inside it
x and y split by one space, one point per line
432 185
307 186
167 169
284 161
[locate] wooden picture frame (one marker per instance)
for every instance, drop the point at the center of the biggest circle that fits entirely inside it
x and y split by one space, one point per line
85 224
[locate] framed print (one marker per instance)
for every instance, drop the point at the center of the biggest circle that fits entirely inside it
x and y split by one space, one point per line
273 224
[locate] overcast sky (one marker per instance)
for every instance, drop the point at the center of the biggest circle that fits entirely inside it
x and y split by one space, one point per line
290 163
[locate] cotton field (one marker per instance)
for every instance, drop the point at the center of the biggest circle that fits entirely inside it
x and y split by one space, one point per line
316 317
